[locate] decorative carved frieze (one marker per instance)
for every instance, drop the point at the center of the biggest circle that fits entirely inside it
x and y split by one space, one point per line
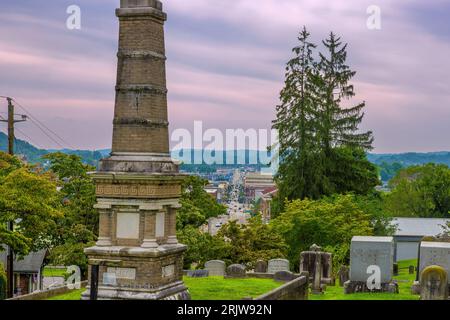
106 190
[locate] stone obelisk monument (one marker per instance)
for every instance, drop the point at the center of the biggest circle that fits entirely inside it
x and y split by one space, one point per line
138 187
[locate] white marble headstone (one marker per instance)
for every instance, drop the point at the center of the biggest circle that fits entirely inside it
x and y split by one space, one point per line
371 251
216 268
277 265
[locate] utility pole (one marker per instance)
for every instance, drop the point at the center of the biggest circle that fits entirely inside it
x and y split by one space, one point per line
10 259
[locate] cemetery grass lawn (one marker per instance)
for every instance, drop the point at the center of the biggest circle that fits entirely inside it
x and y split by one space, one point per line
73 295
52 272
218 288
212 288
404 279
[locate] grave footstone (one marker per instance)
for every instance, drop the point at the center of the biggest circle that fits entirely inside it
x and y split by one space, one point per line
395 271
276 265
216 268
236 271
371 265
261 266
344 275
434 283
412 269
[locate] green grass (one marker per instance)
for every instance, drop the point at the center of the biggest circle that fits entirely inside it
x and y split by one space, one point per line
404 279
52 272
213 288
73 295
218 288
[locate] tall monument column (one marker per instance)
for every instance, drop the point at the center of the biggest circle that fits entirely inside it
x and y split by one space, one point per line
138 187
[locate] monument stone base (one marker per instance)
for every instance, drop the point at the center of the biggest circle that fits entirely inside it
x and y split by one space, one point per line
361 287
128 273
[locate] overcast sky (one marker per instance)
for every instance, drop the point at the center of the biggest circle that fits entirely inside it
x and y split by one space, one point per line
226 65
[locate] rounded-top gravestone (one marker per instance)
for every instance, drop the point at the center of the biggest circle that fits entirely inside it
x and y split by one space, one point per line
276 265
216 268
261 266
433 283
236 271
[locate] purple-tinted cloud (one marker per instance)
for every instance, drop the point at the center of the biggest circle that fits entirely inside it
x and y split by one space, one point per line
226 65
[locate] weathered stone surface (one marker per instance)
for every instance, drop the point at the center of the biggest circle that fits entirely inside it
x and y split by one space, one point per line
371 251
261 266
308 264
284 276
296 289
435 254
344 275
236 271
434 283
198 273
361 287
216 268
138 187
276 265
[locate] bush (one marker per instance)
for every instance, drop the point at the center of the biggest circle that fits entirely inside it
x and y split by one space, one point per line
2 283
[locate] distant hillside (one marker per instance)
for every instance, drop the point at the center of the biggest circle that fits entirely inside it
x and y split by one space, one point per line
411 159
390 161
34 155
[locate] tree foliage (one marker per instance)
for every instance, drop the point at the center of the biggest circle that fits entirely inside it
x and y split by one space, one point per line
330 223
321 149
77 228
30 199
420 191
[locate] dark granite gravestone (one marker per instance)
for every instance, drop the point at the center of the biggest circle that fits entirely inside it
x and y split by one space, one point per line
308 264
396 269
261 266
198 273
236 271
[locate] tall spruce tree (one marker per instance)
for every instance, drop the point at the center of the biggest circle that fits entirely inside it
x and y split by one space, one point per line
295 122
339 125
321 150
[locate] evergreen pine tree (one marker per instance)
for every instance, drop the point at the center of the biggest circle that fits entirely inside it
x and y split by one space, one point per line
295 121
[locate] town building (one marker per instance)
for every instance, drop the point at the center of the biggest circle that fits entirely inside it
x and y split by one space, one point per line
28 272
410 232
255 184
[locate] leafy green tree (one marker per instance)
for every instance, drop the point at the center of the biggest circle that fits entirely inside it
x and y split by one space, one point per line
197 205
29 199
202 247
78 228
330 222
248 243
2 282
420 191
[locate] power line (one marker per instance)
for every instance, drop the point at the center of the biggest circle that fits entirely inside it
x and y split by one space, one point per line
42 126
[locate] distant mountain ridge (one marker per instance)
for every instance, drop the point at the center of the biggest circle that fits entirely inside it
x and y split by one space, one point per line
34 155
